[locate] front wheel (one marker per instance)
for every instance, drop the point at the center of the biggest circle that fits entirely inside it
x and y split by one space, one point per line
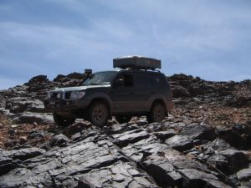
62 121
99 114
157 113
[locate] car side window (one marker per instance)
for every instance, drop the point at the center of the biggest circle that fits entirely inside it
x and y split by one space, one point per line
126 80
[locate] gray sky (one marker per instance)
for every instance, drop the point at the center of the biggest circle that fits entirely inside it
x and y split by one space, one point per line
206 38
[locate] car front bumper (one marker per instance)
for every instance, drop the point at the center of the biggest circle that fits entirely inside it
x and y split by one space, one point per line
64 105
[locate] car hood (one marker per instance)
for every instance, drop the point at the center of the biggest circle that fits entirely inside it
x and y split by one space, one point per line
79 88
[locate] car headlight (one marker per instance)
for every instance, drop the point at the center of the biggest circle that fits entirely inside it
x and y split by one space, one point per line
77 94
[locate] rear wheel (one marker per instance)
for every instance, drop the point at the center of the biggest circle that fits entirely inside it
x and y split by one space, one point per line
157 113
62 121
123 119
99 113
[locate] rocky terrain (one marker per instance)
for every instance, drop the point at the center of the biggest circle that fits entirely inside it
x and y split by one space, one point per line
204 142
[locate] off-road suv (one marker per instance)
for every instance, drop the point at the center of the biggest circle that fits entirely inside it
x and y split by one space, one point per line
134 90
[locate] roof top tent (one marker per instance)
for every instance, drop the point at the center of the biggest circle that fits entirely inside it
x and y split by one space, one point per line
136 62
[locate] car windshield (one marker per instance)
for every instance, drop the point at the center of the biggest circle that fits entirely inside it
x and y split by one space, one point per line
100 78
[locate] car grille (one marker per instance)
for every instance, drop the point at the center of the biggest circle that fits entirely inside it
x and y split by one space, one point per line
56 95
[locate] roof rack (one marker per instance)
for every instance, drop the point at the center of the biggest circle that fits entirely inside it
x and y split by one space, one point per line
136 62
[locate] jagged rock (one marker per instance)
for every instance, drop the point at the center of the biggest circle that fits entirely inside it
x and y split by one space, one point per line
202 132
30 117
36 134
76 136
240 101
171 168
87 163
197 178
129 154
163 135
60 78
130 137
120 128
244 174
59 140
22 154
73 79
236 160
21 104
10 159
75 128
179 91
238 136
38 79
180 142
76 75
2 101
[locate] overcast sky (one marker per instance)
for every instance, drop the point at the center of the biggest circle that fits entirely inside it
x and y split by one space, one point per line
206 38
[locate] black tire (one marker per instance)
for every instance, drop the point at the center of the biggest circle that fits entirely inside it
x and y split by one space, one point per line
123 119
99 113
157 113
62 121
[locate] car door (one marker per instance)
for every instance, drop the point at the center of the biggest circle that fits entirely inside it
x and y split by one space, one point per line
143 90
123 95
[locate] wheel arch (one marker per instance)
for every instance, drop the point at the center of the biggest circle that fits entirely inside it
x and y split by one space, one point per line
101 99
161 101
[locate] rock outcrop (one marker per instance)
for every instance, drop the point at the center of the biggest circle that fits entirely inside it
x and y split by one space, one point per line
204 142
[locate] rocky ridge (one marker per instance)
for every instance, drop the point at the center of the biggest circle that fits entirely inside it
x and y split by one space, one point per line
204 142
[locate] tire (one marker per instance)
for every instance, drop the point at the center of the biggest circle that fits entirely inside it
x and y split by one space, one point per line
99 113
62 121
157 113
123 119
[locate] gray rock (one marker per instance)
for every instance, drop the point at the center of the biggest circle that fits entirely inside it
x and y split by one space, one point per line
236 160
244 174
180 142
130 137
30 117
93 162
21 104
163 135
36 134
59 140
10 159
199 132
197 178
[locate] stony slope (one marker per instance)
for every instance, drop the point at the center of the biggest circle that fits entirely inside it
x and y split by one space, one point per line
205 141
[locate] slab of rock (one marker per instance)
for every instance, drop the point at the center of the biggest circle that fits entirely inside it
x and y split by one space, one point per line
30 117
197 178
11 159
236 159
171 168
163 135
238 136
93 162
244 174
180 142
21 104
202 132
130 137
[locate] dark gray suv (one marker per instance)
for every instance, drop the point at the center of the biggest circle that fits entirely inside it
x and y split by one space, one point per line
131 91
